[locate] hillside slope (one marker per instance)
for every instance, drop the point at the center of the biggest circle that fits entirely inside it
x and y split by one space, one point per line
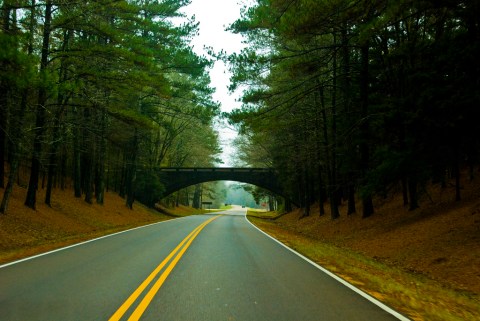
424 263
440 241
25 232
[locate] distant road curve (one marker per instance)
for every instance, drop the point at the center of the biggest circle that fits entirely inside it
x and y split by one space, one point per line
203 267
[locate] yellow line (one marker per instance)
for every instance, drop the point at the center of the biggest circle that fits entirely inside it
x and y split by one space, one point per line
149 296
133 297
121 311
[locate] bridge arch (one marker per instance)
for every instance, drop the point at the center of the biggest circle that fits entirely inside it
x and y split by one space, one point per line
175 178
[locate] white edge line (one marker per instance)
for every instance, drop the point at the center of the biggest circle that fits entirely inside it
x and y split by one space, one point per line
84 242
339 279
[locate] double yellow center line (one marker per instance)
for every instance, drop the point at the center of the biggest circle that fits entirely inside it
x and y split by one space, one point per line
140 309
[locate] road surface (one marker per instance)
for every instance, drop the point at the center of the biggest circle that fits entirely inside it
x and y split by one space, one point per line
205 267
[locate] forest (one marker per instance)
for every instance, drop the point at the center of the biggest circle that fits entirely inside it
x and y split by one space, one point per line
350 100
95 95
346 100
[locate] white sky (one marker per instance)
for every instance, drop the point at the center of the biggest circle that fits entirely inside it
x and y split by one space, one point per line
214 17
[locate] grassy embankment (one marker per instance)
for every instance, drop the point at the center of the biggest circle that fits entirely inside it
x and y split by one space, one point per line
25 232
425 263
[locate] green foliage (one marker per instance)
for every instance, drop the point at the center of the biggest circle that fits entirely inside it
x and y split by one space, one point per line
122 87
149 188
344 96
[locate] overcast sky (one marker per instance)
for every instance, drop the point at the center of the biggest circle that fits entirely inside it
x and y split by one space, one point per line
214 17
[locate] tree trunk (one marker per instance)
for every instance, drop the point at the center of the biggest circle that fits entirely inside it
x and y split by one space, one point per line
56 136
187 197
321 193
271 204
196 196
87 159
318 147
107 173
88 178
288 205
351 196
16 135
456 173
412 191
306 194
16 153
102 154
177 199
347 112
52 165
334 212
327 151
3 129
132 171
10 184
367 201
40 112
77 168
123 176
404 190
4 100
63 168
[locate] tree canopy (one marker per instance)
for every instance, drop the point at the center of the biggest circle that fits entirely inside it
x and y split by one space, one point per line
97 94
350 99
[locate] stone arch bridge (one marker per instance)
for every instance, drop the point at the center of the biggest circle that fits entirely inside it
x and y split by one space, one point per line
176 178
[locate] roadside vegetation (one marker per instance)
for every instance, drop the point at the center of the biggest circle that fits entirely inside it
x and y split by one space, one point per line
423 263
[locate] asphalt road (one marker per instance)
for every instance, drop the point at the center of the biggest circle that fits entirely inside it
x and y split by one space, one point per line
206 267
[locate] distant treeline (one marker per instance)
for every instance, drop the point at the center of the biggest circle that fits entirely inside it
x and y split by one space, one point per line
98 94
347 99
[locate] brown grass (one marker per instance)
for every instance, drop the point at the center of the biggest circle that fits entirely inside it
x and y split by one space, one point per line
25 232
415 259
